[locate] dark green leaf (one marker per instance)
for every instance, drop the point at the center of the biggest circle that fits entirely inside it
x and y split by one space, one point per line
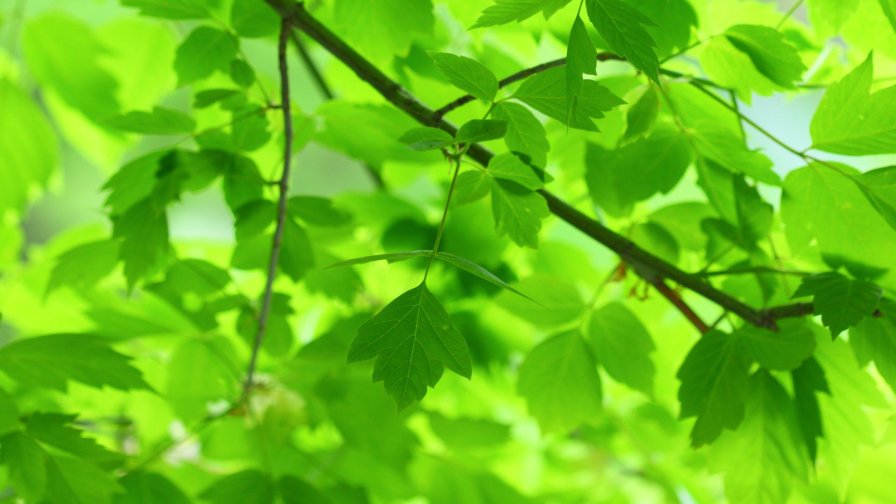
769 52
50 361
245 487
477 270
518 212
390 257
297 257
411 338
209 97
842 302
509 167
525 133
426 138
546 92
172 9
581 58
879 186
505 11
642 115
251 18
808 382
149 488
480 130
622 27
785 349
714 386
204 50
143 231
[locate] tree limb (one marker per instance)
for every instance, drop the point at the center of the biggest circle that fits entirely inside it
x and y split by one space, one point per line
285 105
643 260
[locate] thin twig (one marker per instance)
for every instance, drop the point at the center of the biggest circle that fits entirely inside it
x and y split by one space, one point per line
790 11
752 269
285 106
679 303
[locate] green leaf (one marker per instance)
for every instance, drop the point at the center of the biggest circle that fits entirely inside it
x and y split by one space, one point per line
477 270
82 267
9 414
518 212
209 97
842 302
581 58
58 431
467 74
297 257
769 52
480 130
161 121
560 383
506 11
245 487
823 209
850 120
251 18
204 50
782 350
143 231
390 26
546 93
641 116
763 460
874 339
808 382
318 211
426 138
390 257
525 133
64 55
27 468
201 372
730 152
714 386
889 8
149 488
509 167
622 27
411 338
241 73
28 147
622 345
828 16
636 171
879 186
172 9
471 186
254 218
51 361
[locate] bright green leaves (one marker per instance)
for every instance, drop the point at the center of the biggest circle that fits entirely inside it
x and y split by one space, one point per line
64 55
160 121
850 120
518 212
874 339
715 375
50 361
824 209
546 93
714 383
764 458
412 339
27 147
172 9
204 51
842 302
581 58
770 53
623 345
622 27
506 11
525 134
728 151
251 18
390 25
250 486
879 186
467 74
889 8
560 382
634 172
82 267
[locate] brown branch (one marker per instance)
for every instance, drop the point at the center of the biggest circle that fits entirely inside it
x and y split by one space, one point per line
286 107
678 302
646 264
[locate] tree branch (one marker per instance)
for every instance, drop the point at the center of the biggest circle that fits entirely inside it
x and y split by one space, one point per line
286 107
645 263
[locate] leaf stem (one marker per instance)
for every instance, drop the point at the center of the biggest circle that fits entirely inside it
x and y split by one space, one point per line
285 105
435 246
788 14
